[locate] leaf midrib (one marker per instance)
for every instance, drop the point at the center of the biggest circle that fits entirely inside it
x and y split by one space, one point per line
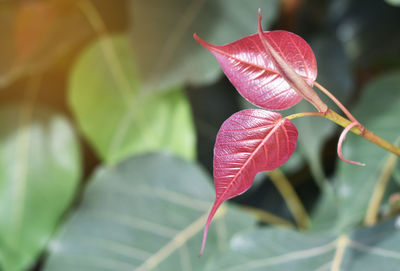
221 52
278 124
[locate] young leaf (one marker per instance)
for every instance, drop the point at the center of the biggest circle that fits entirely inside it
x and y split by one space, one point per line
291 76
248 142
254 74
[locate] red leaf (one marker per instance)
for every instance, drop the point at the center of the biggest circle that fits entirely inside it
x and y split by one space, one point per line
294 80
254 74
250 141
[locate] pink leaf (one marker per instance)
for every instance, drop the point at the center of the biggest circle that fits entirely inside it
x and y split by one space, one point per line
286 71
250 141
254 74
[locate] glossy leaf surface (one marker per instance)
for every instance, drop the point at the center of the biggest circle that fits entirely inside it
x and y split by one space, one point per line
252 71
284 69
133 217
39 172
248 142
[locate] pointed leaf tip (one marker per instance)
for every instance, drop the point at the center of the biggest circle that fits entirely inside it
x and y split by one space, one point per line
285 67
259 21
254 73
203 43
250 141
209 219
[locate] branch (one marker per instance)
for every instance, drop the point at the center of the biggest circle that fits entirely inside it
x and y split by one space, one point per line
293 202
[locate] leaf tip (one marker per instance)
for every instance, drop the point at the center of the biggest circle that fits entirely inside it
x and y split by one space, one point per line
214 209
202 42
259 21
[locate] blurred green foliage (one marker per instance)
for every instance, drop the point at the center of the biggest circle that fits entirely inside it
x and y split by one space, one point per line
109 112
117 116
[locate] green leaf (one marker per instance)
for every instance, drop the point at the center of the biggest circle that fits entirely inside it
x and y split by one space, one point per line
116 115
367 249
163 31
325 213
146 213
378 111
39 172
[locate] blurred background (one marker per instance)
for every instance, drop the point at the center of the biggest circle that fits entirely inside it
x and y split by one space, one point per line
109 112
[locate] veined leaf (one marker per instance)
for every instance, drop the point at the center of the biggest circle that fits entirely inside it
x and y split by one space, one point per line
252 71
146 213
39 172
274 249
285 70
248 142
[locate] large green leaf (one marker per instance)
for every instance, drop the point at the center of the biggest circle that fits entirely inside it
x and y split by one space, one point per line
378 110
116 115
39 172
272 249
325 212
146 213
162 35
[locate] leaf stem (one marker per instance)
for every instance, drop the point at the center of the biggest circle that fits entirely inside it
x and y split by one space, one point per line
340 143
291 198
338 103
305 114
268 217
342 242
365 133
371 216
287 72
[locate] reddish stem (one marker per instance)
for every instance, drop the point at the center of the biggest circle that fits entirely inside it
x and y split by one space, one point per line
340 105
365 133
291 76
340 143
